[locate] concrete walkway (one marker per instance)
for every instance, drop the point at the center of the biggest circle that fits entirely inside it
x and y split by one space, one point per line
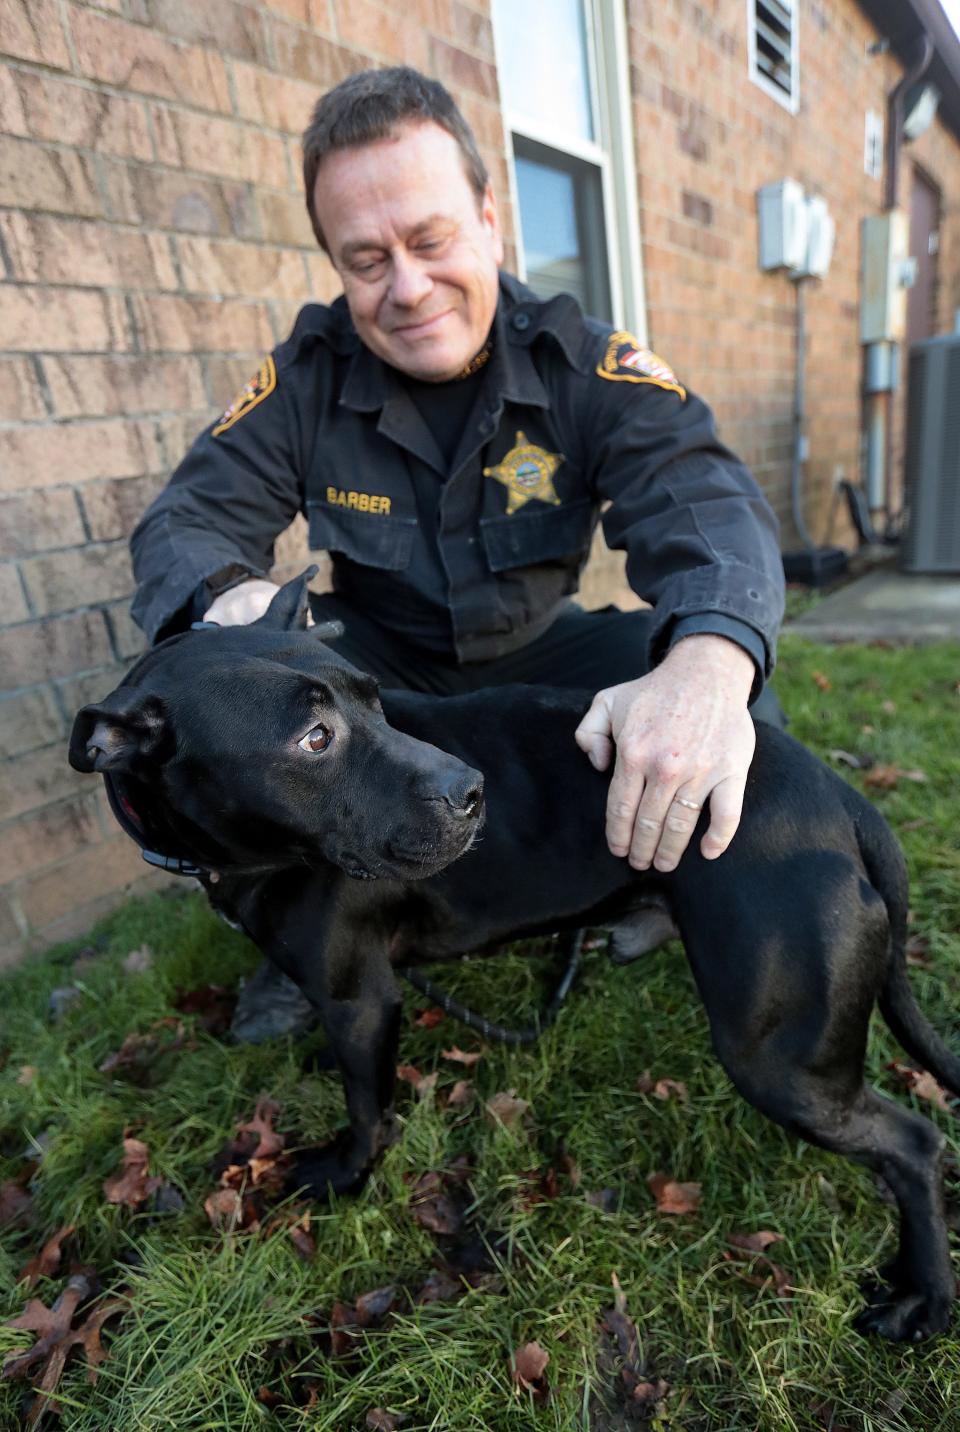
886 604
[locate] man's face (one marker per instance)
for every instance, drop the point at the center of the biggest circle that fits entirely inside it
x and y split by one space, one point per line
417 254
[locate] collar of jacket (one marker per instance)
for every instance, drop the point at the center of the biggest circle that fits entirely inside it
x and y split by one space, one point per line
520 318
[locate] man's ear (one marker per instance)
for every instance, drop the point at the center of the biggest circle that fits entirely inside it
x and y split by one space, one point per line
289 608
112 734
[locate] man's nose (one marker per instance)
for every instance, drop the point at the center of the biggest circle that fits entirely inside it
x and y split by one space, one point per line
409 283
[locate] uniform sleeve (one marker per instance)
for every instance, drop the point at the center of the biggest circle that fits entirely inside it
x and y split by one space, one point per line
700 537
237 489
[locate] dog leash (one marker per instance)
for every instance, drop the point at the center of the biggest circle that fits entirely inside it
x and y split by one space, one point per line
498 1032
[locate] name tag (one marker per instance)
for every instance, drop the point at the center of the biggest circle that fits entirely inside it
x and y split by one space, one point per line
359 501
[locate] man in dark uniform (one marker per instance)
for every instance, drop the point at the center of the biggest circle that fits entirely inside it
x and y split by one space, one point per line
451 439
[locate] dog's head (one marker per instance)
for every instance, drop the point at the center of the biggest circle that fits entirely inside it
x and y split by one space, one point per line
252 745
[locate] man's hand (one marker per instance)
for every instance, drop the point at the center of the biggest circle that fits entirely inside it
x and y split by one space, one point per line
682 736
242 604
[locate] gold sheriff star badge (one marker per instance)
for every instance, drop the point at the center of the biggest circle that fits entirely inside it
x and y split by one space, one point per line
527 471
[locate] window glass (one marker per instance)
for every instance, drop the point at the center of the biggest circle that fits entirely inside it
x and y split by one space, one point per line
561 217
542 54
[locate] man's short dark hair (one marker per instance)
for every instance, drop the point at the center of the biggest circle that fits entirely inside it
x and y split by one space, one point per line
369 106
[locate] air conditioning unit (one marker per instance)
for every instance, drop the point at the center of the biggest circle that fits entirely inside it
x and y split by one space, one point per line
932 458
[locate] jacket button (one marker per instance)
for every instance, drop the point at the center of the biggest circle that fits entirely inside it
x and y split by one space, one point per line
521 321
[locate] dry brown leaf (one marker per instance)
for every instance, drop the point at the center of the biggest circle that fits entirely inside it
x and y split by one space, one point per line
382 1421
822 681
138 960
647 1393
429 1018
923 1084
776 1275
439 1288
672 1197
506 1108
27 1074
462 1056
529 1365
132 1185
270 1143
223 1207
16 1205
754 1242
47 1260
462 1095
618 1322
918 951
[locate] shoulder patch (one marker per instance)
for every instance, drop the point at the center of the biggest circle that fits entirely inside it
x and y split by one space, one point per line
625 361
260 386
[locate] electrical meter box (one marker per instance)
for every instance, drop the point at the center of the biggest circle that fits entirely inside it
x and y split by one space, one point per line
784 223
821 231
886 272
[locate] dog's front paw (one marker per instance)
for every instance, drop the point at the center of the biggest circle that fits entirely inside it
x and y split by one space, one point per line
905 1316
327 1171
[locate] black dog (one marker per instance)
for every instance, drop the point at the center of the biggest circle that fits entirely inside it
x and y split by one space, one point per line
342 845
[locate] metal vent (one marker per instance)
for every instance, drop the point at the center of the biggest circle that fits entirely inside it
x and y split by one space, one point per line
773 23
932 457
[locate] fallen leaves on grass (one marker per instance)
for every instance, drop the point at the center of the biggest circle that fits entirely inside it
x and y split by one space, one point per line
139 1052
132 1185
433 1207
47 1260
506 1108
462 1095
824 682
249 1166
348 1320
463 1056
16 1205
919 1082
138 961
58 1336
213 1004
752 1245
617 1321
662 1088
672 1197
528 1365
423 1084
429 1018
382 1421
886 777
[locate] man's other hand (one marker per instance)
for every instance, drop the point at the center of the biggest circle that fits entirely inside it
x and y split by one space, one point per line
683 736
242 604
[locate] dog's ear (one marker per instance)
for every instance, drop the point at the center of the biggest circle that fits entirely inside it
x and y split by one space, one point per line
289 608
111 734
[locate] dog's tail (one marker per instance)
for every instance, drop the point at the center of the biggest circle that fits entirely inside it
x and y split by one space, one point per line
887 872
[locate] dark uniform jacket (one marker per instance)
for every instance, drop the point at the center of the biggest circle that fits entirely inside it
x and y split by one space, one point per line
472 558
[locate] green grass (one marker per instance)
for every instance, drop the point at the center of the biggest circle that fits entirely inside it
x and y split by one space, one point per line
215 1318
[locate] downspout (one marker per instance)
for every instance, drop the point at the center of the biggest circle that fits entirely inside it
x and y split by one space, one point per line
879 416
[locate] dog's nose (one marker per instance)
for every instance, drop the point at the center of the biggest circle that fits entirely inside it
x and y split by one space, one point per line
465 796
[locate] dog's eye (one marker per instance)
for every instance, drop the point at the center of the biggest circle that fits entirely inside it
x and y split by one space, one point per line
317 739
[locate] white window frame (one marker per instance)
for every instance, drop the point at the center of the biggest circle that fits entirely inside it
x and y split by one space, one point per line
789 102
612 153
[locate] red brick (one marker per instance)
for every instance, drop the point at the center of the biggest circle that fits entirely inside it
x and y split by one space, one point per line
38 521
36 778
283 220
72 113
230 29
33 176
226 149
62 581
31 30
217 266
298 10
113 509
28 720
459 70
13 603
61 320
46 836
94 386
366 26
20 394
36 651
273 100
85 876
133 57
43 454
77 691
473 30
305 55
130 640
71 251
163 199
13 119
168 324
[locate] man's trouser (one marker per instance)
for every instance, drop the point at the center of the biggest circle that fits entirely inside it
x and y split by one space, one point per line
589 650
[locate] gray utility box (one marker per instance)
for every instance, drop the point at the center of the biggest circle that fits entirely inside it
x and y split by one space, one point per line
932 458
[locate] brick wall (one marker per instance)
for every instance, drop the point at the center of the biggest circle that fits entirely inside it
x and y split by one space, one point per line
707 139
153 243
